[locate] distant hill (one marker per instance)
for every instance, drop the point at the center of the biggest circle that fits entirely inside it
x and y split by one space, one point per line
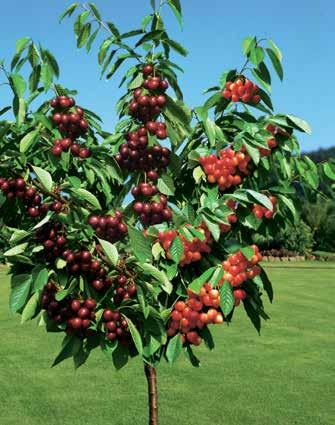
321 154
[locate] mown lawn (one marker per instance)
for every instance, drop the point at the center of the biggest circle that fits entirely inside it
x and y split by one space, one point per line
285 376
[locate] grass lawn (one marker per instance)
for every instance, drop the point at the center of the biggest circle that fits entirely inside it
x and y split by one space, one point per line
285 376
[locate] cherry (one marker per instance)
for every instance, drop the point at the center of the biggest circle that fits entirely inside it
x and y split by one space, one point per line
147 70
75 305
57 150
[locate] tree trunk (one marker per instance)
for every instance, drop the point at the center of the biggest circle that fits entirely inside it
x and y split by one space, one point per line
150 373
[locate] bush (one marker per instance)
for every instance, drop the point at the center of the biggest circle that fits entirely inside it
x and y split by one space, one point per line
292 240
320 216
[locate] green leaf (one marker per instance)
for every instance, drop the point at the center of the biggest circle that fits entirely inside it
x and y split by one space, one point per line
214 228
46 75
91 40
87 196
104 49
267 285
176 249
300 124
261 199
140 245
21 44
248 252
83 35
18 249
48 56
290 205
68 11
329 170
256 55
43 221
110 251
20 289
198 174
265 97
31 308
261 81
207 337
198 283
19 85
4 110
113 29
276 50
252 314
135 335
137 82
44 177
176 46
145 22
175 6
159 276
174 349
95 11
226 298
191 356
39 277
253 152
152 35
17 235
21 112
248 44
70 347
165 185
276 63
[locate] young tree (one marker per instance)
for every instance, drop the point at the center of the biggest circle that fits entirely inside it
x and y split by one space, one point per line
145 275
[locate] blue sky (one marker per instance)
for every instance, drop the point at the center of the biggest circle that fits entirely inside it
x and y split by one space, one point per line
213 33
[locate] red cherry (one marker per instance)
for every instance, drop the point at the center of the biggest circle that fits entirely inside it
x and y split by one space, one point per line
108 315
90 303
75 323
75 305
147 70
66 144
84 153
56 150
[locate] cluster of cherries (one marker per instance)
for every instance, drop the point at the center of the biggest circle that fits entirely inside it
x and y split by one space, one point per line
259 211
116 327
228 169
17 188
53 238
109 227
242 90
82 262
123 288
58 311
82 316
136 155
153 212
146 107
72 124
77 314
197 311
192 250
63 145
238 269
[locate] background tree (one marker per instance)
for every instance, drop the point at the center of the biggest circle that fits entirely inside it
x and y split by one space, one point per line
148 276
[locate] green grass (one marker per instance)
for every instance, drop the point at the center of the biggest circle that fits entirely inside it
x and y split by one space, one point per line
285 376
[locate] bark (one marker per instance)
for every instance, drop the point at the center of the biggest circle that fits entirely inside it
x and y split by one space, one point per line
151 374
